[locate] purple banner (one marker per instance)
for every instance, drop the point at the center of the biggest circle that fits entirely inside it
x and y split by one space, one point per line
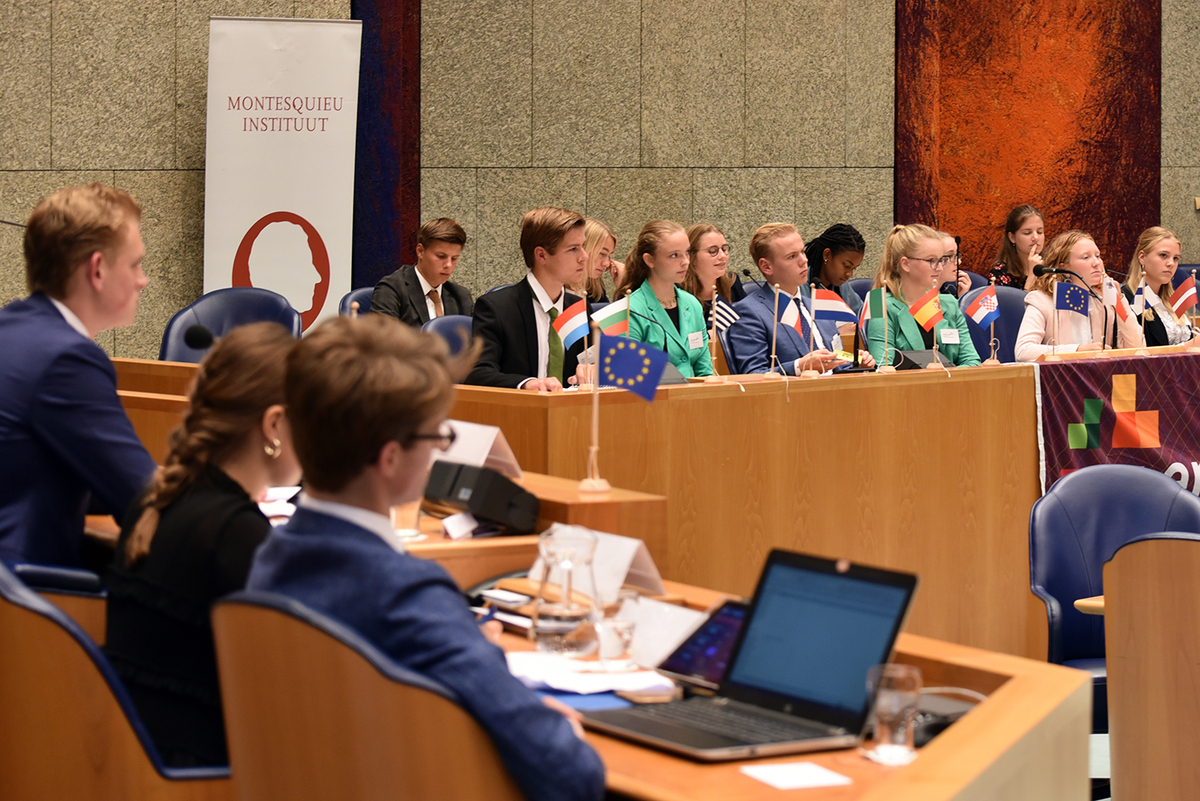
1140 410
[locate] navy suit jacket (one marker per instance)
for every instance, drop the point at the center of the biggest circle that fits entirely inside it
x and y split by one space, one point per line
63 435
504 321
750 337
411 610
399 295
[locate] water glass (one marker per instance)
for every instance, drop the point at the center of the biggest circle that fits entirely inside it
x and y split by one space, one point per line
616 636
896 689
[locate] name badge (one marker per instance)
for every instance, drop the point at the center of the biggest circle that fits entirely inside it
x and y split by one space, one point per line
695 340
949 336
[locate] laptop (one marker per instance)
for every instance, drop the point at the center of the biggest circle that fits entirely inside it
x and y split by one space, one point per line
796 678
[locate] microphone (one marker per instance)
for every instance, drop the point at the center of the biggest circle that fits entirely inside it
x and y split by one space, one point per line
22 225
656 322
197 337
1041 269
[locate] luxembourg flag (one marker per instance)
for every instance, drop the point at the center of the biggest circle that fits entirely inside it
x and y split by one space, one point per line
985 309
828 305
572 325
613 319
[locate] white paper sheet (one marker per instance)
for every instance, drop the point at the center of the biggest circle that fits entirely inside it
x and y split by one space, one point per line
539 670
795 775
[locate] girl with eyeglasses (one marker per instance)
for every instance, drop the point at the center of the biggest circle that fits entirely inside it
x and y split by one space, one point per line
660 313
1075 251
708 262
832 259
913 263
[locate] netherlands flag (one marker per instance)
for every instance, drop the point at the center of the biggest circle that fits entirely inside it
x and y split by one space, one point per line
985 309
828 305
571 325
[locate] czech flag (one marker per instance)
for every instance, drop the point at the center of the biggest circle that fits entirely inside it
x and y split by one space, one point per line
1184 297
985 309
828 305
613 319
572 324
927 310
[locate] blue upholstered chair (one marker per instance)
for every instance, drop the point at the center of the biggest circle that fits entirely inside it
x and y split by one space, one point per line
1012 311
731 360
314 711
977 281
79 593
1073 530
67 727
361 295
1182 272
220 312
862 286
454 328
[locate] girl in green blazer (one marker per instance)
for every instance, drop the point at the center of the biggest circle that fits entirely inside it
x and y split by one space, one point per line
660 313
913 260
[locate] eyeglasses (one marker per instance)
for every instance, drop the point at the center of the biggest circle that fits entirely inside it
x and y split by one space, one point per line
442 440
715 249
934 263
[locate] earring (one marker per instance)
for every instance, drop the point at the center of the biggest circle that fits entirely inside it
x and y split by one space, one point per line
273 448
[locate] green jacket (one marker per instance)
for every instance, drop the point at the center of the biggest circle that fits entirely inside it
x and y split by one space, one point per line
904 333
690 361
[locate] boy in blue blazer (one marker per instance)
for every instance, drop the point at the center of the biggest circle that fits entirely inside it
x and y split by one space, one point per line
367 400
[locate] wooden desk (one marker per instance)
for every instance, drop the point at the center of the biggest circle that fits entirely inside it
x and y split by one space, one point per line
922 472
155 377
1028 740
1091 606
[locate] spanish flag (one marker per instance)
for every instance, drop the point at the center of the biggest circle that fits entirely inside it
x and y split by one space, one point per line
927 310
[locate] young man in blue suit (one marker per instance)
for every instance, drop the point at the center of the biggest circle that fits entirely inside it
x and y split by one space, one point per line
778 251
63 434
367 400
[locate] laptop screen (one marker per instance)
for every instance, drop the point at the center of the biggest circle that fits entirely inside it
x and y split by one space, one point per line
814 632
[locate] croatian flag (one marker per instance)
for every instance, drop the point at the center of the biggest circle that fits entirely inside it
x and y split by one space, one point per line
571 325
985 309
828 305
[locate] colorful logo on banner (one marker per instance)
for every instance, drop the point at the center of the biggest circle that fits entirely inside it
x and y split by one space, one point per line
1131 428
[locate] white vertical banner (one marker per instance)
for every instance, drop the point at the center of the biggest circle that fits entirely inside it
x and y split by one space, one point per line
279 160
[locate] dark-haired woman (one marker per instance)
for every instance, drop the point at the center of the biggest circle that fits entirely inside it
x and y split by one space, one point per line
1021 249
191 538
708 259
832 259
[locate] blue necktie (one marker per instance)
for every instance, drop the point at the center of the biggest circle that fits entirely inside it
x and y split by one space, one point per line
805 329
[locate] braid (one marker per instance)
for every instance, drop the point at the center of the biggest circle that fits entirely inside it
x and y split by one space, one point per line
239 379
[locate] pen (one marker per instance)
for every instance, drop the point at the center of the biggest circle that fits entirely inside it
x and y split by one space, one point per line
489 615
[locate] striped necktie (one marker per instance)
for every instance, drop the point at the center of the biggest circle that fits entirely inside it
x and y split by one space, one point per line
554 365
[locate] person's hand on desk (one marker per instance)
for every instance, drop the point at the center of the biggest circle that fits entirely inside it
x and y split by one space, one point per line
1093 346
491 631
865 360
543 385
573 717
583 375
819 360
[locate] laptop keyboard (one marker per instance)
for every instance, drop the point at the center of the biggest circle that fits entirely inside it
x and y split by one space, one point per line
730 721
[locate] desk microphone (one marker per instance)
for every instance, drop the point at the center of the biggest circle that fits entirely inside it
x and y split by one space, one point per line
197 337
1041 269
656 322
13 224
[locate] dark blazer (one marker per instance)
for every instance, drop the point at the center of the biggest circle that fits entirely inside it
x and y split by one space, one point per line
412 610
1156 332
63 435
750 337
399 295
504 321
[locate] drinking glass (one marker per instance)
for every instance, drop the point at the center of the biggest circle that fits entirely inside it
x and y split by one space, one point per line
616 636
896 689
566 626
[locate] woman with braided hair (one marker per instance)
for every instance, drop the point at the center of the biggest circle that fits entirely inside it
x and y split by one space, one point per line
190 538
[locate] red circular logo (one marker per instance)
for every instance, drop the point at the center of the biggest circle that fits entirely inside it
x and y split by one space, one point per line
320 259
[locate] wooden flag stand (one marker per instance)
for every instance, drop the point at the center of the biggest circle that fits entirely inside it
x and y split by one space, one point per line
771 375
886 366
812 288
594 483
712 345
354 309
1053 355
993 343
1195 346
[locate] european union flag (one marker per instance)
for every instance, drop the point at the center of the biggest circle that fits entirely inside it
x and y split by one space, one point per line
632 365
1071 297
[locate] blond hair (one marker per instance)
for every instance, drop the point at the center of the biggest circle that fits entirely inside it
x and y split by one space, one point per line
1056 254
1146 242
901 243
595 234
760 242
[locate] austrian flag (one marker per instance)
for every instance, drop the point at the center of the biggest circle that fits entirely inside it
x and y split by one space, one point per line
1184 297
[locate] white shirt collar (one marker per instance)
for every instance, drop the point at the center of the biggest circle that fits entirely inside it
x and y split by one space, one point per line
543 297
70 316
364 518
426 286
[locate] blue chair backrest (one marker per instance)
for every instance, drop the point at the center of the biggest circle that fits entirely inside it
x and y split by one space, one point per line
1078 525
977 280
861 285
362 295
13 591
1012 311
221 311
454 328
731 359
498 286
1182 272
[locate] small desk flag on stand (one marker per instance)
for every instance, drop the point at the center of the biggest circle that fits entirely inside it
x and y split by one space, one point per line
985 309
571 325
632 365
1070 297
1184 297
828 305
613 319
927 311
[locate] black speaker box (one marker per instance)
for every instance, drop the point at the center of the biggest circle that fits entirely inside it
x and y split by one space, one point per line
484 493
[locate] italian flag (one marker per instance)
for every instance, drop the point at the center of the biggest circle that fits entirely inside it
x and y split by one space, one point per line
613 319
